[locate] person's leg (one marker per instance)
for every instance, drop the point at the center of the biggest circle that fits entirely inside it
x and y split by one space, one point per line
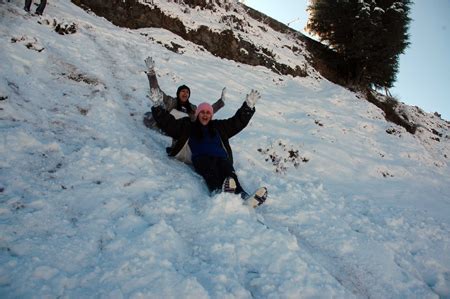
41 7
207 167
227 170
27 5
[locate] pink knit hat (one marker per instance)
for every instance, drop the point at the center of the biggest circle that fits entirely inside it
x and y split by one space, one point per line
204 107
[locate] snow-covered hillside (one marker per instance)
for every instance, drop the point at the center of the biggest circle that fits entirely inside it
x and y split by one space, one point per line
92 207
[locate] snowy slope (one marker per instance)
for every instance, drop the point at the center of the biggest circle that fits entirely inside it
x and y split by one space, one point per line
91 206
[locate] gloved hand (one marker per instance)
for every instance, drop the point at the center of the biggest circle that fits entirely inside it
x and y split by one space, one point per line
224 93
150 63
252 98
156 97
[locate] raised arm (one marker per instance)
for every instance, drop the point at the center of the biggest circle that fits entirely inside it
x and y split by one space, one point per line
154 85
220 102
241 118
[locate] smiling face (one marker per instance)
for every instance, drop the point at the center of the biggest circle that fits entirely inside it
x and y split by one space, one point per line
184 95
204 116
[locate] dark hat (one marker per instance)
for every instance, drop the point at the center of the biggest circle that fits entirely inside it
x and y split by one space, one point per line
180 88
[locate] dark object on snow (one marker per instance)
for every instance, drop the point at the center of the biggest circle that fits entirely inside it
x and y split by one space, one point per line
66 28
39 9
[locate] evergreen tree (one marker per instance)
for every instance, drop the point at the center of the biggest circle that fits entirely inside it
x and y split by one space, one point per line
369 35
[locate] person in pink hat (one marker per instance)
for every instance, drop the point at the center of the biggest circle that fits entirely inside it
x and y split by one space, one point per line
204 142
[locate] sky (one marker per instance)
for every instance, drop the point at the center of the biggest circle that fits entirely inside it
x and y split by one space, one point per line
424 76
91 206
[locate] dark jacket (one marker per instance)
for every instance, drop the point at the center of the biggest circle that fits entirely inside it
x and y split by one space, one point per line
181 129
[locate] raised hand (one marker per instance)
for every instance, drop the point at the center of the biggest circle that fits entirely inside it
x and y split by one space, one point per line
150 63
224 94
252 98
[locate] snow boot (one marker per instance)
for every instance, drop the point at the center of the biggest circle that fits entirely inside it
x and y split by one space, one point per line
229 185
257 198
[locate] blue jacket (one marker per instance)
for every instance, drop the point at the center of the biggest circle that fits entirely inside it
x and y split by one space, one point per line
181 129
207 144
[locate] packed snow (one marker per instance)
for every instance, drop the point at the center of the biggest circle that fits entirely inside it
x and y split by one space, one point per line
92 207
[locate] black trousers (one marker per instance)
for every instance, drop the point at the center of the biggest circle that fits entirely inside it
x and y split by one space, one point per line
215 170
39 9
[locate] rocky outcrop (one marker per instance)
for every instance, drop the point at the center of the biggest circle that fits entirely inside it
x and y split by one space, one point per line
391 114
325 61
224 44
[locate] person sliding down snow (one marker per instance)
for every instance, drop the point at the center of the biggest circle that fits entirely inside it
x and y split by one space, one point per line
179 106
208 141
